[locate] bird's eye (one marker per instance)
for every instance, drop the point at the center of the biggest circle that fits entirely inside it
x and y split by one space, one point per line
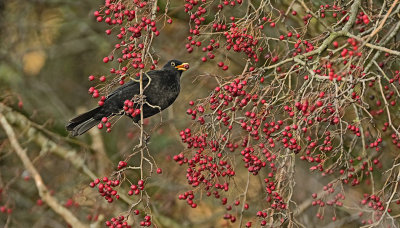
172 63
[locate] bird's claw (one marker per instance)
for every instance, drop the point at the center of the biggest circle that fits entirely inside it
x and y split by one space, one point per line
146 137
139 99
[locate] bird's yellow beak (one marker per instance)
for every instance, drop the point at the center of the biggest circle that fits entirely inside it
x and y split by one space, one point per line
183 66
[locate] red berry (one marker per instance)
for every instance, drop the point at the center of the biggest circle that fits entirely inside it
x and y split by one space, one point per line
159 170
140 182
335 44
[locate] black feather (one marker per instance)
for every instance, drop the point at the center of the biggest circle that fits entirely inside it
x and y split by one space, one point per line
84 127
82 118
161 88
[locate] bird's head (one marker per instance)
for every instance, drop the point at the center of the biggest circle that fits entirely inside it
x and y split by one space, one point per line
176 65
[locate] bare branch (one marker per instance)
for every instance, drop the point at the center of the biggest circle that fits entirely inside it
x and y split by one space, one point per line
41 187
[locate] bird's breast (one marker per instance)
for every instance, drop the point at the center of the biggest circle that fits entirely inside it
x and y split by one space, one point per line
162 94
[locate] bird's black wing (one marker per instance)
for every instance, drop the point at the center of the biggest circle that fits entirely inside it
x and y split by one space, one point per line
114 102
130 85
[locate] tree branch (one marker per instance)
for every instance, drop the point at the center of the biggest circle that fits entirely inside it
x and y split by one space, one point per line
41 187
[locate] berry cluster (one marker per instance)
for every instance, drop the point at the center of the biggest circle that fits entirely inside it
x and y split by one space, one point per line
5 209
210 172
118 222
130 108
106 188
239 40
136 189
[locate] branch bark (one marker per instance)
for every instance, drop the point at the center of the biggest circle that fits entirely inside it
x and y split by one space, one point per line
41 140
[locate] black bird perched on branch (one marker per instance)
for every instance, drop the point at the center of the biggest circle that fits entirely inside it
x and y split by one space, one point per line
160 89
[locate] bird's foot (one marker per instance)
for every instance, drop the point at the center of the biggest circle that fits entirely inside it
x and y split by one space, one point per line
146 137
139 99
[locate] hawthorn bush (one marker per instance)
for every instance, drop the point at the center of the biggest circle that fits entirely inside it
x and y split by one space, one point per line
299 129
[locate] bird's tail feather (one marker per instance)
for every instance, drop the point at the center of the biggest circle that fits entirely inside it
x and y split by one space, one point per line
83 122
84 127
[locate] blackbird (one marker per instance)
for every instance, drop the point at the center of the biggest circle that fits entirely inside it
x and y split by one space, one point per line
160 89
